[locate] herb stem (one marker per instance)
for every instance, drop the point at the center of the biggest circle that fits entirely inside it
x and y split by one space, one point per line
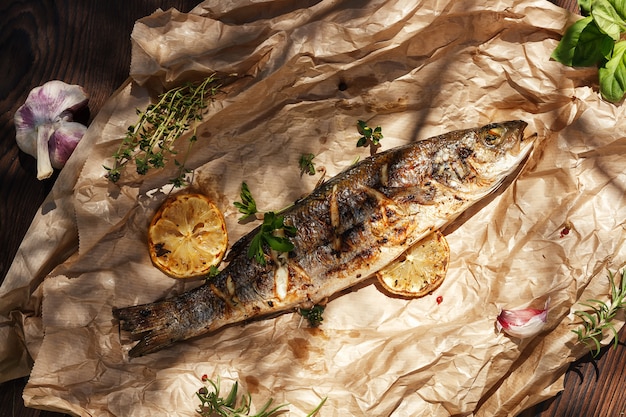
149 142
598 318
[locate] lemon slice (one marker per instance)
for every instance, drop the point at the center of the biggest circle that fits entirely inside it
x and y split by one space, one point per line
187 236
420 270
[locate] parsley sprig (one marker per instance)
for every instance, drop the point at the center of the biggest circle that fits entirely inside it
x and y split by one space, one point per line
273 232
247 206
150 142
598 319
270 233
212 404
306 164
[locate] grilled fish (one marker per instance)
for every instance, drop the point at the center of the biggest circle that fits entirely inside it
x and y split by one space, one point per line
347 229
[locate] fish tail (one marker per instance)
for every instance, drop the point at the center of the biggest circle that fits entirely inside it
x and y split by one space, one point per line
160 324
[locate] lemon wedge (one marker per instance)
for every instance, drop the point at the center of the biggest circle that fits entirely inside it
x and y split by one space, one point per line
187 236
420 270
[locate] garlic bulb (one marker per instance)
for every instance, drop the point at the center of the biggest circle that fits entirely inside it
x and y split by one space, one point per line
44 124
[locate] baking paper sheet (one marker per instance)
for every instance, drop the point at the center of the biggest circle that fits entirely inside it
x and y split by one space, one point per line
298 80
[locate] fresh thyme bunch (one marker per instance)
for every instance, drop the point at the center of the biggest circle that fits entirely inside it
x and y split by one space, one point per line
599 319
150 142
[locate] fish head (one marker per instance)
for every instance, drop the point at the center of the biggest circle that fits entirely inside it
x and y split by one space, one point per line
497 150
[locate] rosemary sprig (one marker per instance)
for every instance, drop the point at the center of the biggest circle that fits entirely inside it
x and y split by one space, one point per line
599 319
150 142
211 404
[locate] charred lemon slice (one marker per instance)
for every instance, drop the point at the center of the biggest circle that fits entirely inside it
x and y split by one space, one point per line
420 270
187 236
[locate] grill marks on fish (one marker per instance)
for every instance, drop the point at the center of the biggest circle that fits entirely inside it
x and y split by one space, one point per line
347 229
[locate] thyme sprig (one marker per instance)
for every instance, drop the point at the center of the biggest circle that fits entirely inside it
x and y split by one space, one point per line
599 318
150 142
368 135
212 404
314 315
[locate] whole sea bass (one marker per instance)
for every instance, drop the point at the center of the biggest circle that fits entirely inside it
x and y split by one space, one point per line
347 229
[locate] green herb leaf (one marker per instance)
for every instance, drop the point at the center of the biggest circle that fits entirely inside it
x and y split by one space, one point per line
267 234
583 45
369 135
596 321
279 244
613 75
306 164
247 206
620 7
313 314
585 6
607 18
363 129
212 404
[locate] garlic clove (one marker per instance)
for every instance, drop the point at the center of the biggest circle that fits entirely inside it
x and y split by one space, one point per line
63 142
522 323
47 108
44 166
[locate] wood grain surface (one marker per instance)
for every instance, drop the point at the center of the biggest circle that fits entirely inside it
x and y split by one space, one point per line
88 43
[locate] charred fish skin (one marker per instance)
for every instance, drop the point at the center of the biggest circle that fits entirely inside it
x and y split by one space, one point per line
347 228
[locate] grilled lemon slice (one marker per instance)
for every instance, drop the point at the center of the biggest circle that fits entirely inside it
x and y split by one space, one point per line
187 236
420 270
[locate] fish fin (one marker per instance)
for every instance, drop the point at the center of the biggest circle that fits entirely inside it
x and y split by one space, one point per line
160 324
149 323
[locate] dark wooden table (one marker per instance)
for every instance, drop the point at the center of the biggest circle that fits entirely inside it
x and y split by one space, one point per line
88 43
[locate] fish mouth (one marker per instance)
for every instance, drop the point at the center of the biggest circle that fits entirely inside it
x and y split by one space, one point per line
520 154
525 145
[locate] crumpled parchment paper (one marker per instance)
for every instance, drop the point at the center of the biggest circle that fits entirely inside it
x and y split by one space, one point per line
301 76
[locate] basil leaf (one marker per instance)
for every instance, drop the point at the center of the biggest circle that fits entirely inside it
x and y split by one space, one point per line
585 6
620 7
583 45
613 75
607 19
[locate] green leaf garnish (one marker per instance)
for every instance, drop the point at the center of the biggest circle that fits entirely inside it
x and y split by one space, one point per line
247 206
596 40
613 75
583 45
369 135
607 18
213 405
598 319
313 314
150 142
269 233
306 164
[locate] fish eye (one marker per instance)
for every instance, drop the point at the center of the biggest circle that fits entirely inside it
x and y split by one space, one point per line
493 136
